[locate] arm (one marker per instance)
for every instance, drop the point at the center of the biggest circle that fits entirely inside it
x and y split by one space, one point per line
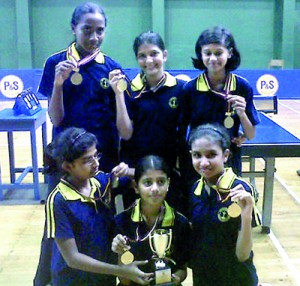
123 123
56 107
244 240
77 260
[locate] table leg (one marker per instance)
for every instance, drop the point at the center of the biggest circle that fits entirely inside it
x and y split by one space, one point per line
11 155
44 136
35 167
268 194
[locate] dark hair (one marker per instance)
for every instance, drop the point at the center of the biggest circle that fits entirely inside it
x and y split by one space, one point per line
150 162
86 8
70 145
215 132
148 38
221 36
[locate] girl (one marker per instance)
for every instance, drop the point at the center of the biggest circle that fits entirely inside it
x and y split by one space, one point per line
150 212
217 95
147 120
75 80
79 217
222 214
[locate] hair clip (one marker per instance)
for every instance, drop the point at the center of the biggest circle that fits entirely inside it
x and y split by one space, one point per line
77 137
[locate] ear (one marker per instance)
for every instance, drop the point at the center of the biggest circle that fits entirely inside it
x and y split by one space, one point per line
73 29
226 155
229 53
66 166
134 185
165 55
168 184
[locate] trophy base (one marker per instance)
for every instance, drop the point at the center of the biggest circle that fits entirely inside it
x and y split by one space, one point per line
163 277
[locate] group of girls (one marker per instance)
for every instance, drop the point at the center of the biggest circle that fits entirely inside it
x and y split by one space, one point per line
91 104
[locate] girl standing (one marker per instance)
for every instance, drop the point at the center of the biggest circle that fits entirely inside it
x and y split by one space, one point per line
79 217
217 95
151 212
222 214
148 118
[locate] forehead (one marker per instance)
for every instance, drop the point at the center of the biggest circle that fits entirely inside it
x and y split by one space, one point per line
92 19
153 174
213 47
90 152
146 47
205 143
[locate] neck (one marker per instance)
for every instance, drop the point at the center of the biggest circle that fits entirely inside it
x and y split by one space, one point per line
81 186
150 213
217 80
154 80
83 53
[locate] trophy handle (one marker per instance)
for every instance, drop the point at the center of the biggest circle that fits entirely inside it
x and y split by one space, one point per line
170 239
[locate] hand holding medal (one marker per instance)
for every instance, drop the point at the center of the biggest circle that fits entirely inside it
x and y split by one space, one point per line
233 210
121 246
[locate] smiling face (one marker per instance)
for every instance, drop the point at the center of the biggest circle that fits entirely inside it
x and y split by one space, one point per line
151 59
215 57
208 158
89 32
152 187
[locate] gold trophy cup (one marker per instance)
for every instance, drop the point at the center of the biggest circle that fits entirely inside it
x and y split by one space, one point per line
160 242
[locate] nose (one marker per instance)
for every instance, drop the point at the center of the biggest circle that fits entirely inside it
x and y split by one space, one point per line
96 161
204 162
212 57
154 187
93 36
149 59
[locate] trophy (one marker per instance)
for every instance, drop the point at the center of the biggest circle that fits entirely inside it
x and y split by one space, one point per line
160 242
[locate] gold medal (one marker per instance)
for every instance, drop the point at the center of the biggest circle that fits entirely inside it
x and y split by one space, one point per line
76 78
228 122
127 257
234 210
122 85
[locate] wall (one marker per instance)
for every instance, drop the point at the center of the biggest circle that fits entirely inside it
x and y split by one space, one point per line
263 29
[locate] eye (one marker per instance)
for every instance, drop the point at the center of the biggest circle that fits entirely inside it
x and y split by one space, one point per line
100 31
195 154
141 56
147 182
218 54
162 181
154 54
86 30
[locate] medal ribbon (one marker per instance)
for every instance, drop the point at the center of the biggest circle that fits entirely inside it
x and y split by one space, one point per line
148 234
226 87
84 60
143 90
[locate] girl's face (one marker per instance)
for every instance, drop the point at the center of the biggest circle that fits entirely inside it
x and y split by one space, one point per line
85 166
208 158
215 57
153 187
90 32
151 59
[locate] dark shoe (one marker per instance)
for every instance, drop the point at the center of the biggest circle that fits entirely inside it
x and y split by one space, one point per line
298 172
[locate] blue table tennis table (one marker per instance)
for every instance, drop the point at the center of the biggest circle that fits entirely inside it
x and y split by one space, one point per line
271 141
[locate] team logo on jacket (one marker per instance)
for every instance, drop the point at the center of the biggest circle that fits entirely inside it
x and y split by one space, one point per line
104 82
223 215
173 102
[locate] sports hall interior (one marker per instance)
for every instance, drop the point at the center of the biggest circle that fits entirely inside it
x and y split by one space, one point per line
263 29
